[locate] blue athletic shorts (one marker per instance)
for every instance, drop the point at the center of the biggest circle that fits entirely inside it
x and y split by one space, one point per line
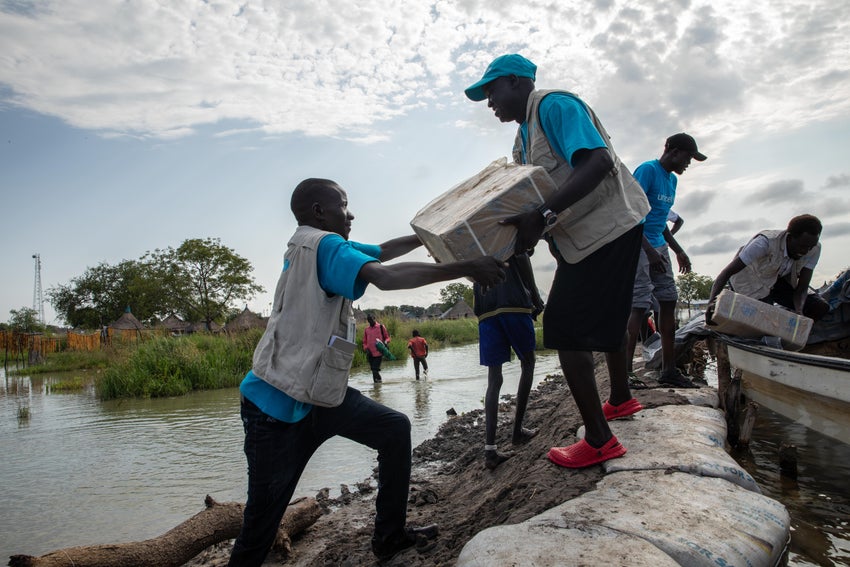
499 333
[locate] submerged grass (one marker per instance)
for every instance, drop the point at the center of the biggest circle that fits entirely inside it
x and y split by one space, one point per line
66 361
68 385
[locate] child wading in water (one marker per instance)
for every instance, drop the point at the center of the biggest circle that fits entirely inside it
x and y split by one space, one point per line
419 351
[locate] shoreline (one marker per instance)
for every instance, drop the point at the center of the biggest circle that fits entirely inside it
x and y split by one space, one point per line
451 486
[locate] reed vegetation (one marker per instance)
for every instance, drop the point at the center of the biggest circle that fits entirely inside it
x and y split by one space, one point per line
172 366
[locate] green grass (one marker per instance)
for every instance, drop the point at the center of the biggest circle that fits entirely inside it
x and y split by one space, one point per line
74 384
172 366
67 361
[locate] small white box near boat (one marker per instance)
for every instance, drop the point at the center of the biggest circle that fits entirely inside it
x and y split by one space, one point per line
463 222
742 316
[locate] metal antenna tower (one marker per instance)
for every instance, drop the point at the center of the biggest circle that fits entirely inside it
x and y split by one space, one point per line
37 294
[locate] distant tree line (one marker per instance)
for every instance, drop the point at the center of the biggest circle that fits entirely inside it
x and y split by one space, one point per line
201 280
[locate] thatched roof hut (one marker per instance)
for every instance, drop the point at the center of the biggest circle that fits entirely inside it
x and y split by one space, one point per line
460 310
126 322
433 312
174 324
201 327
247 319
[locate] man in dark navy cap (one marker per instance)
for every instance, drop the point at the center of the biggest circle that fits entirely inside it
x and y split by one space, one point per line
593 226
655 274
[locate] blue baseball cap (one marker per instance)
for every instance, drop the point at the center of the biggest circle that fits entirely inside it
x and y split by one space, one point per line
512 64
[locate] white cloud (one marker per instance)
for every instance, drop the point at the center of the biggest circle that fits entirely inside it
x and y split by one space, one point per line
339 68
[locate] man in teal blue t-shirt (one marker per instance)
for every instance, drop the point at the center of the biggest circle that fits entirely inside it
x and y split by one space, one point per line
654 274
282 433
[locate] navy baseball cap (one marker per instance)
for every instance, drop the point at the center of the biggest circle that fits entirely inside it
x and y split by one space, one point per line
685 142
512 64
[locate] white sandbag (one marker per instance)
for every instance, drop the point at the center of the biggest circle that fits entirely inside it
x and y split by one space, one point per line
547 546
695 521
684 438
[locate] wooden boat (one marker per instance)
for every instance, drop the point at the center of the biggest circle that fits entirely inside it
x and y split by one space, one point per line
811 389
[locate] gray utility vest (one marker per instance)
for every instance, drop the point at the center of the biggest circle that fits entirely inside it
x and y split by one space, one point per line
616 206
757 279
293 354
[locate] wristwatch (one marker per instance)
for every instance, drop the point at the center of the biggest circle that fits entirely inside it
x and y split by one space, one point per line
549 216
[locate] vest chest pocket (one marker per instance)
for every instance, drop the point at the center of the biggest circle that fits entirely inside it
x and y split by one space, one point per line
330 378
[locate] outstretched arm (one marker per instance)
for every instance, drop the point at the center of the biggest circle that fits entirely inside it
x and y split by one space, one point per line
486 270
400 246
733 268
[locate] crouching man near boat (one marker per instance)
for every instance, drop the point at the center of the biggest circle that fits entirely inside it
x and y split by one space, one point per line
776 266
296 395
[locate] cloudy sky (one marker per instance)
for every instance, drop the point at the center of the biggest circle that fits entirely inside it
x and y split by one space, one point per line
134 125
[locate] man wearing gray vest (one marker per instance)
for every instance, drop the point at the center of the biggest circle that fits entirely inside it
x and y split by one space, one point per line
776 266
296 396
592 225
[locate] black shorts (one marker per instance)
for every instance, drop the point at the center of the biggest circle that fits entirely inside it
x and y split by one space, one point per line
590 302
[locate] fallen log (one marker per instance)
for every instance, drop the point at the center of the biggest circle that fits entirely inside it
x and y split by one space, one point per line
216 523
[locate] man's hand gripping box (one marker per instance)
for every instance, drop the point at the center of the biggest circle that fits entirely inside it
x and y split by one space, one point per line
736 314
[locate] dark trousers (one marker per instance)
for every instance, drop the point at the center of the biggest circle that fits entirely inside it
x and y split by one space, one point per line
375 365
783 294
277 453
416 362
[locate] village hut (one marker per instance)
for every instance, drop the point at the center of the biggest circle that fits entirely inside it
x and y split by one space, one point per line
174 325
247 319
433 312
201 327
126 327
460 310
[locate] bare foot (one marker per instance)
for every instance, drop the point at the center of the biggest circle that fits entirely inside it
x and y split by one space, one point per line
493 459
524 435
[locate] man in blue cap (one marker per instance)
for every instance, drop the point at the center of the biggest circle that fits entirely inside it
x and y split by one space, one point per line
655 277
593 226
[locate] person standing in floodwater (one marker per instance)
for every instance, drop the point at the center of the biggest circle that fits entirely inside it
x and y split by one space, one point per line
418 347
373 333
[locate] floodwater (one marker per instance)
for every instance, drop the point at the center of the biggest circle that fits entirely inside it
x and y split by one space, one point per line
79 471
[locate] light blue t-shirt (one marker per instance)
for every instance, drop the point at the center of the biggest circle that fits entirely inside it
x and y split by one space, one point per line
660 188
567 125
339 261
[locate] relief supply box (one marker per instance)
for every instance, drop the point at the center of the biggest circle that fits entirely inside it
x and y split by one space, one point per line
736 314
463 222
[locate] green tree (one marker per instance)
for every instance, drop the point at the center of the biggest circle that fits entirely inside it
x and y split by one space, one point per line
25 320
203 278
102 293
454 292
693 286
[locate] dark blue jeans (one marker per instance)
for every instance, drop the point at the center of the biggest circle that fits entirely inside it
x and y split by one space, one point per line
277 453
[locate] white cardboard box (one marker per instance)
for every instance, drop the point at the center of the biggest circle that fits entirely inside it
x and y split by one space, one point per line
736 314
463 222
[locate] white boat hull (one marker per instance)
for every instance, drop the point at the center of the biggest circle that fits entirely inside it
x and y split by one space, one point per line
809 389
